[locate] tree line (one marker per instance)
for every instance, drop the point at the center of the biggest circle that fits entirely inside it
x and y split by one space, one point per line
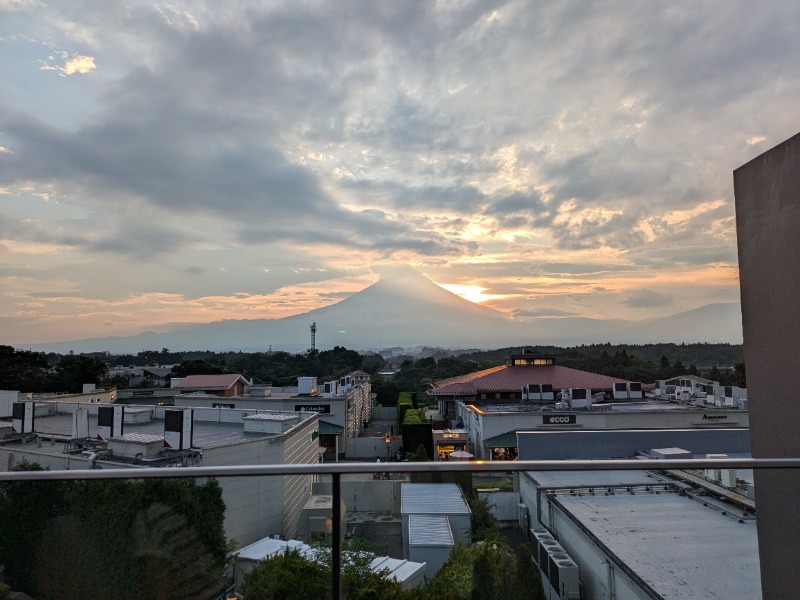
29 371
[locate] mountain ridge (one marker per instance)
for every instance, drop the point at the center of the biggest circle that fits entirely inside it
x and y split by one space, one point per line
407 309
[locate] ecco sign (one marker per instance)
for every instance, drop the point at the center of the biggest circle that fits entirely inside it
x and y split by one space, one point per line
559 419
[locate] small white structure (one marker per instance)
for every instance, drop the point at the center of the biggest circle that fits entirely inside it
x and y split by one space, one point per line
435 499
430 541
408 574
7 399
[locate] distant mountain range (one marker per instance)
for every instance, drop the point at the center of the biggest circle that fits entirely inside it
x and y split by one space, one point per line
409 310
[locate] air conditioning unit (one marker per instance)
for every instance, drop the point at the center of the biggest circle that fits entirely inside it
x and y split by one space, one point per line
539 549
635 390
550 548
620 391
522 516
564 577
547 393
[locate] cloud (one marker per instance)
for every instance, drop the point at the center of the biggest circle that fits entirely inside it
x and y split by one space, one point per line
508 145
542 312
646 298
71 64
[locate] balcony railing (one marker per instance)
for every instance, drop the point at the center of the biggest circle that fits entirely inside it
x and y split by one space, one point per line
336 470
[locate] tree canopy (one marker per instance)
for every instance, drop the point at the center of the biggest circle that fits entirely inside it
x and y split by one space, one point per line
115 539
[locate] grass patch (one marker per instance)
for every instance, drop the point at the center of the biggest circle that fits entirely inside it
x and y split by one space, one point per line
504 485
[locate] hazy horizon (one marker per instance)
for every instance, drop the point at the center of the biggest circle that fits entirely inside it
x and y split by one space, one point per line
195 162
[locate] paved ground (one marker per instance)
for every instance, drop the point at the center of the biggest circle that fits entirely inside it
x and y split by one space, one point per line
382 529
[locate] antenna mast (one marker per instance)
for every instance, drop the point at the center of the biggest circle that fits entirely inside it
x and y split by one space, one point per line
313 335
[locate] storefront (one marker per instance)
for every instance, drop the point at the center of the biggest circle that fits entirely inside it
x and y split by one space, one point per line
503 447
447 441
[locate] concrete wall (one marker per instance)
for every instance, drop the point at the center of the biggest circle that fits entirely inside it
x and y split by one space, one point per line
366 495
767 191
384 413
503 505
592 562
368 448
557 445
257 507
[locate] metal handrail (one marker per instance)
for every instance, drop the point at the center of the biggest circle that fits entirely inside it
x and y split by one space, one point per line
336 470
343 468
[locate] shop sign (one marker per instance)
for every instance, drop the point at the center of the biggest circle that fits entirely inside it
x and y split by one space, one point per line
317 408
559 419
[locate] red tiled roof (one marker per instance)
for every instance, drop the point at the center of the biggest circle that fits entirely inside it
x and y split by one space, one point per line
513 378
207 382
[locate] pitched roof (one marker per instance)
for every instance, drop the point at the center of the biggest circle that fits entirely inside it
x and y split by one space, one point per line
504 440
158 371
210 382
326 428
512 378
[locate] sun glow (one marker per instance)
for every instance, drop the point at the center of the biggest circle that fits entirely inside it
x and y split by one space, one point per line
473 293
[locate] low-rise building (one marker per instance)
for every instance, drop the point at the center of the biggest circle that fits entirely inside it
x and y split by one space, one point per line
533 379
344 406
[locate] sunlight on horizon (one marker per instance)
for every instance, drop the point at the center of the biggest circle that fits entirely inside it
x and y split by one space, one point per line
473 293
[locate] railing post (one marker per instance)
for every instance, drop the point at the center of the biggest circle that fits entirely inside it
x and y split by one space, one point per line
336 547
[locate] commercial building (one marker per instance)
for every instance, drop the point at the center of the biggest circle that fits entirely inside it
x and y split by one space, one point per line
344 405
670 533
534 379
493 428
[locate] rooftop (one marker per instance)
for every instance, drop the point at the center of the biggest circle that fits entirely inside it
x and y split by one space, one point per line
689 551
207 382
513 378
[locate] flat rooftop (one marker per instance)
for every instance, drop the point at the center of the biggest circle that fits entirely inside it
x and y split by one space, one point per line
675 544
604 407
555 479
206 434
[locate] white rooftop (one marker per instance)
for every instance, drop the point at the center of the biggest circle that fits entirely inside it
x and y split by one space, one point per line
432 498
598 478
271 417
139 438
429 530
398 569
676 545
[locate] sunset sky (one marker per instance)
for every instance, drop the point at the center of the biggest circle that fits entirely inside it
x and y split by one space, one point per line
197 161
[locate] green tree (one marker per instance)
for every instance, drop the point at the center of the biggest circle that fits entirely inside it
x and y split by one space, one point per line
420 455
739 377
483 523
74 371
198 366
286 576
26 507
528 584
127 539
22 370
482 581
